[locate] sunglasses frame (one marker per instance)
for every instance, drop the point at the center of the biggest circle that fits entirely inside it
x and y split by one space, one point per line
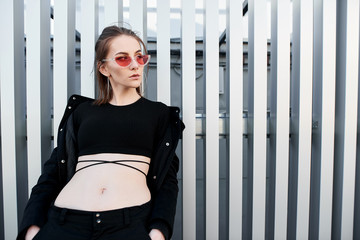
132 59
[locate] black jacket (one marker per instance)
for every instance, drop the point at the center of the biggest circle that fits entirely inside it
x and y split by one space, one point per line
60 168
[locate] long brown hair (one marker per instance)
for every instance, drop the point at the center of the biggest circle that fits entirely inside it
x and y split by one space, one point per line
101 50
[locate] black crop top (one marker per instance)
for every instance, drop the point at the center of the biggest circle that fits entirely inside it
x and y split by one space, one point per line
130 129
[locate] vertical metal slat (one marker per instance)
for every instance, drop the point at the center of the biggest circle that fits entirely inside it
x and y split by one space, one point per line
328 117
257 111
89 34
113 12
280 63
163 51
234 53
188 61
211 63
303 31
138 19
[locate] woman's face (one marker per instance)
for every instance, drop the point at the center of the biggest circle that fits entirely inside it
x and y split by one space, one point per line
123 78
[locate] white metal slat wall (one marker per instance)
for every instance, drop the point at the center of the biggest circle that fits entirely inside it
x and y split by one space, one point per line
302 75
64 64
211 70
257 112
328 10
89 34
188 61
343 154
37 92
350 117
12 122
113 12
163 52
234 36
280 78
138 18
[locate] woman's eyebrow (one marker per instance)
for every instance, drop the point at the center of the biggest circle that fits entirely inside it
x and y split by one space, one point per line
127 53
121 53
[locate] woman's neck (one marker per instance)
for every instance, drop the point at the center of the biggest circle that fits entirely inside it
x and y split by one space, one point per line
124 97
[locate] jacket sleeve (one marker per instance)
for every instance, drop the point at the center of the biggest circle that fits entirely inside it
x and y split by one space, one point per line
42 194
164 204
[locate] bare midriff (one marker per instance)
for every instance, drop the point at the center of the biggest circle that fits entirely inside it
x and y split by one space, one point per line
106 186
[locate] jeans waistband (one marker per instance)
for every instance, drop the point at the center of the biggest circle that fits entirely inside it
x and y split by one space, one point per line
122 216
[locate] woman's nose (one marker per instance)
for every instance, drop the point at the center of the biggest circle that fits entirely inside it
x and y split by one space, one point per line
134 64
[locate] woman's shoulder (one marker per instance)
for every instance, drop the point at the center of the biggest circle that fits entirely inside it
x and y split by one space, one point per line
158 109
168 112
156 105
85 106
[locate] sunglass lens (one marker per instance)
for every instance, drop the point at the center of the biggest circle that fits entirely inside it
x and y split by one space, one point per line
143 59
123 61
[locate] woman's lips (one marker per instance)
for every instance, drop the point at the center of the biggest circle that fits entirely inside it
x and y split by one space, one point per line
135 76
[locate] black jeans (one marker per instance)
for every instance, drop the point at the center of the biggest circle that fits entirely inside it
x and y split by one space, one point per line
125 223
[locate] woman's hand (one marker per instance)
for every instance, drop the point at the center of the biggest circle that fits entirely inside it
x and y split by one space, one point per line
31 232
156 234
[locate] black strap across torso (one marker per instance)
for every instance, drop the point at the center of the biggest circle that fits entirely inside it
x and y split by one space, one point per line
118 162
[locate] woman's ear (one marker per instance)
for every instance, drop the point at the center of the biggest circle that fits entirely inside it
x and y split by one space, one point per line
103 69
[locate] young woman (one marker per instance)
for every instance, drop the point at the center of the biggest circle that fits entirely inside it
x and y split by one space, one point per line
113 173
